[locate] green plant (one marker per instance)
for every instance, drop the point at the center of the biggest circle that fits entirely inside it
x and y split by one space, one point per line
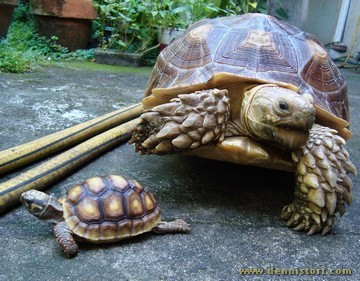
180 14
12 60
235 7
81 55
131 25
124 25
23 36
200 9
168 14
24 49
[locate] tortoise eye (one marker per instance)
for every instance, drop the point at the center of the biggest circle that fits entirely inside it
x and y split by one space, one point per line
283 105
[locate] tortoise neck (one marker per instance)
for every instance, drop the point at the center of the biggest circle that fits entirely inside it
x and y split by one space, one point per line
247 122
53 212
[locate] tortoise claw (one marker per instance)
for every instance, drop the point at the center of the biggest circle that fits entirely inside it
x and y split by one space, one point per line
325 230
313 229
299 227
290 222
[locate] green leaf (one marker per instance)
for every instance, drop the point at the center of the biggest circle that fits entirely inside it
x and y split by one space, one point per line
254 5
122 43
263 11
282 13
179 10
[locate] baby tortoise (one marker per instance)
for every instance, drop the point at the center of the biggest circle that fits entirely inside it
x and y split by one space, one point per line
100 210
255 90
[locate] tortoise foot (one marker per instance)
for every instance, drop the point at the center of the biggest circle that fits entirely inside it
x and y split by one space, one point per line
185 123
302 218
65 240
323 185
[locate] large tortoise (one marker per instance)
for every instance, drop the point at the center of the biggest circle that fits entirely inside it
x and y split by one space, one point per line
255 90
100 210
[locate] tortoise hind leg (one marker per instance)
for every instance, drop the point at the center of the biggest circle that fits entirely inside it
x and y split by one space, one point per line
65 239
183 124
322 182
176 226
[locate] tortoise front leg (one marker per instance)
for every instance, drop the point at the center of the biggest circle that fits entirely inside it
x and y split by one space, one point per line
65 239
176 226
185 123
322 182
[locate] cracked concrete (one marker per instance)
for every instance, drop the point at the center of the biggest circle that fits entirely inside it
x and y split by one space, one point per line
234 210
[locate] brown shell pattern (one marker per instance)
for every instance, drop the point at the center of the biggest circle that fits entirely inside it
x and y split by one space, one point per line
110 208
253 46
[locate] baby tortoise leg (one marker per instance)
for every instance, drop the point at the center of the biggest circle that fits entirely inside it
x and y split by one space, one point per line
322 182
65 240
185 123
176 226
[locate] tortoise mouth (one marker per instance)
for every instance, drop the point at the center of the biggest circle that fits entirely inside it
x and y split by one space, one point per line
288 138
27 200
295 135
299 124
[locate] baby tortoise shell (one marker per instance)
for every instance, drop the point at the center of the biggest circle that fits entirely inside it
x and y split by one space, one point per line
106 209
100 210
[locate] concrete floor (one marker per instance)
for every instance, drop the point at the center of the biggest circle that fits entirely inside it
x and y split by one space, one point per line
234 210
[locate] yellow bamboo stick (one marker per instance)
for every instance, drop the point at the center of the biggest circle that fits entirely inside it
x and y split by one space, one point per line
56 168
18 156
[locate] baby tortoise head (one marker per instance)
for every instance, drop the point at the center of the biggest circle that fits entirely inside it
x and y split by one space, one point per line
42 206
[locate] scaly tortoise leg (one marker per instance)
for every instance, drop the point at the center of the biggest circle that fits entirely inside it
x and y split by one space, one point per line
322 182
183 124
65 239
176 226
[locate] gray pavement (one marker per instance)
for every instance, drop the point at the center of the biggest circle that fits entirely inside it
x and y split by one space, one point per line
233 210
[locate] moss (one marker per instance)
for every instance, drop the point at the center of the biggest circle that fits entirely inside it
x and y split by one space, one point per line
91 66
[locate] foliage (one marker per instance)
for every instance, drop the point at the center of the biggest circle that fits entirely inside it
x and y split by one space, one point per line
12 60
131 25
23 36
201 9
124 25
180 14
81 55
235 7
168 13
24 49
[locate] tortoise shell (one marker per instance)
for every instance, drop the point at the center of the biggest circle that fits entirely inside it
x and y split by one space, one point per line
217 53
110 208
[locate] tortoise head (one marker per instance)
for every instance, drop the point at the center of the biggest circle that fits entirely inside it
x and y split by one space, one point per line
42 206
276 114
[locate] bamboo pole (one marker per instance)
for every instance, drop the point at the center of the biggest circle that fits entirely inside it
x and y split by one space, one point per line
56 168
21 155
